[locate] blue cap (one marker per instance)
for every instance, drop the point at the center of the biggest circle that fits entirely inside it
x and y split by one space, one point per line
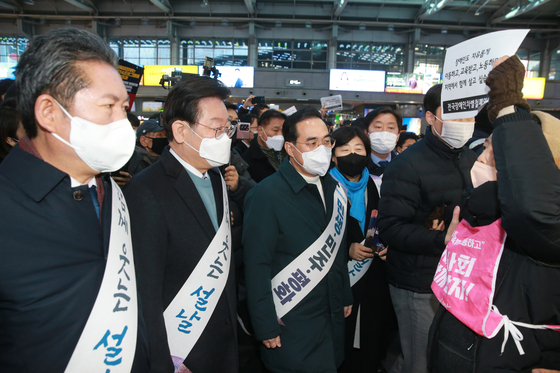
150 125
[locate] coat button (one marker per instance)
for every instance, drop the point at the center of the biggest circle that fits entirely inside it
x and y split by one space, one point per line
227 321
78 195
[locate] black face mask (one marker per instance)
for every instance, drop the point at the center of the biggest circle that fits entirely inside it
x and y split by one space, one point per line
158 144
352 165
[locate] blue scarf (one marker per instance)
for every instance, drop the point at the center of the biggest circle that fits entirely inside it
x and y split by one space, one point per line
356 194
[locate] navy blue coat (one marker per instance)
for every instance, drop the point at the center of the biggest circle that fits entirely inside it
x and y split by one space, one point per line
171 231
53 258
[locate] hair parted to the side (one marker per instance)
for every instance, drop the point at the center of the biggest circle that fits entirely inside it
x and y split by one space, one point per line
432 99
183 99
289 130
51 66
370 117
344 135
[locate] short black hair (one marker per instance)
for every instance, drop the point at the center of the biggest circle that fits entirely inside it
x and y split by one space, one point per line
182 101
289 130
50 66
370 117
9 123
432 99
406 136
230 106
257 109
4 85
133 119
267 116
248 118
344 135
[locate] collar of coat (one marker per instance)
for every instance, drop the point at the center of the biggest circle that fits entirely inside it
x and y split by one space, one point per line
294 179
439 146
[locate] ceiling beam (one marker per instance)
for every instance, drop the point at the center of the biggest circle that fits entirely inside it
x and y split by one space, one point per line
4 4
519 10
250 4
81 5
430 8
162 6
339 7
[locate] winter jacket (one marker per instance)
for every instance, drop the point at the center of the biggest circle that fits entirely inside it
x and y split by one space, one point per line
429 174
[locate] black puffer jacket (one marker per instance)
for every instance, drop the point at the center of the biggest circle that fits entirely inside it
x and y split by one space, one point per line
527 191
428 175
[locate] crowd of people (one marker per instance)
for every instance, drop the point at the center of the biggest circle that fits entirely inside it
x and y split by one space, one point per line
163 246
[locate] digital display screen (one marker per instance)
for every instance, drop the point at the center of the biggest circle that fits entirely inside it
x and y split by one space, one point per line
235 76
153 73
357 80
413 124
7 70
152 106
533 88
410 82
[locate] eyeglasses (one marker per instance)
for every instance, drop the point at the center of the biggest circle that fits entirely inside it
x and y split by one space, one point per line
313 144
229 130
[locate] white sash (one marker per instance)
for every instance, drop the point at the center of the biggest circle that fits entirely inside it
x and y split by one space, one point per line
357 269
298 278
108 341
189 312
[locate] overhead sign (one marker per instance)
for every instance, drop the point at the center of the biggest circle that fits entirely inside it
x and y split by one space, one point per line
153 73
466 68
235 76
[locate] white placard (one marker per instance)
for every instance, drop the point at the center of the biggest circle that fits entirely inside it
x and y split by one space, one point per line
289 111
466 67
332 102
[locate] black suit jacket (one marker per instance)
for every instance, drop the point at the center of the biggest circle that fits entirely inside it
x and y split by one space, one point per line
171 231
52 262
378 170
259 166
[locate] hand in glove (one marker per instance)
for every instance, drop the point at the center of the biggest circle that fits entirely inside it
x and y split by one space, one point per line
506 82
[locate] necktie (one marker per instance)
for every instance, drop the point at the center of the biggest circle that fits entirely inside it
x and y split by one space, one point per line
93 192
383 165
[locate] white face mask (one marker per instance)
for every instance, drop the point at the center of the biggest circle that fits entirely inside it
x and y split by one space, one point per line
216 151
455 133
383 142
274 142
317 161
104 148
481 173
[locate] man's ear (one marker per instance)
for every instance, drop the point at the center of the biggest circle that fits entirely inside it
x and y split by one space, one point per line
179 129
430 117
144 141
288 146
48 114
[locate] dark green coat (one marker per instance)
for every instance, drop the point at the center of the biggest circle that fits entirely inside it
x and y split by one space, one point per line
283 216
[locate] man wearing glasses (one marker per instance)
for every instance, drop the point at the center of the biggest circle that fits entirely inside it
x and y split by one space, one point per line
295 266
181 223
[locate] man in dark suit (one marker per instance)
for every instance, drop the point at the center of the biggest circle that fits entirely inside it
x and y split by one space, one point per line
383 126
266 150
63 306
181 226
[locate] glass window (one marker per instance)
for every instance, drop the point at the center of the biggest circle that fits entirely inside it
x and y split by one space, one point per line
554 72
297 54
226 52
531 59
428 59
142 51
370 56
11 48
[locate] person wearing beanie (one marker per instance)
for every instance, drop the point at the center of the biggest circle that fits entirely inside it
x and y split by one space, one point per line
522 190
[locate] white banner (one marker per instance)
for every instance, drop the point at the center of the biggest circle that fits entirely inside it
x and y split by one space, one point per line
466 68
189 312
108 341
298 278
